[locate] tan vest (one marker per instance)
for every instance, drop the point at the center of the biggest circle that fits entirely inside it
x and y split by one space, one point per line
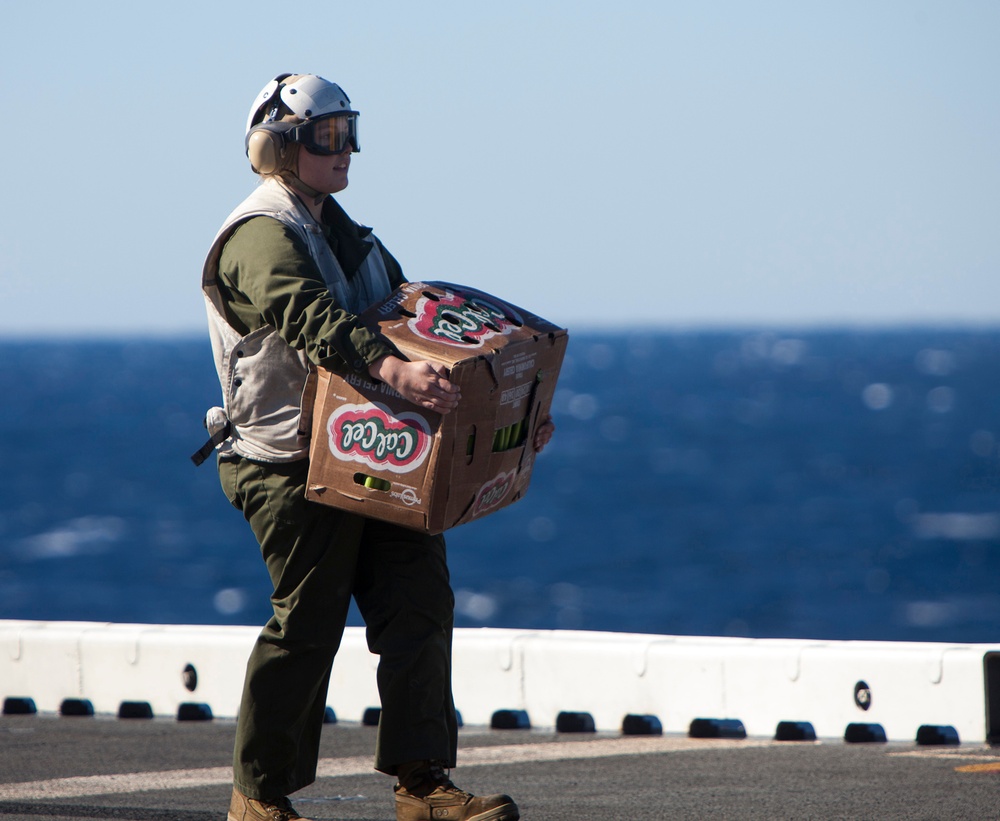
267 385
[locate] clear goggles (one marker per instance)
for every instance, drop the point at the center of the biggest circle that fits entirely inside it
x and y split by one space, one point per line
327 135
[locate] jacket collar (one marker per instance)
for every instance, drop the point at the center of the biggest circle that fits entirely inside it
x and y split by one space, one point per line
348 239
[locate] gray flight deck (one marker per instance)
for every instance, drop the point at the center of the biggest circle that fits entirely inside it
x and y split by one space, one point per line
62 767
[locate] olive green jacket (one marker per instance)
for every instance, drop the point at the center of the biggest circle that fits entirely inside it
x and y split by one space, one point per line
283 293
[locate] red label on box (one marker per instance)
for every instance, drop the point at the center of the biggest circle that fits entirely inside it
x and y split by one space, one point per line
493 493
372 435
456 318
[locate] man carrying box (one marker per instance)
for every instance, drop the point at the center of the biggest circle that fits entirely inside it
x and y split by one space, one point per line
284 282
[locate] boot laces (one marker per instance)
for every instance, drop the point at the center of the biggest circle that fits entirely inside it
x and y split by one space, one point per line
282 810
441 777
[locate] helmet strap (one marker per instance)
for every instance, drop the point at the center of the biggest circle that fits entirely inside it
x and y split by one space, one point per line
293 180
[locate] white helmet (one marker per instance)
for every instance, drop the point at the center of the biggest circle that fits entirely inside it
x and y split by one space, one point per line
307 96
286 110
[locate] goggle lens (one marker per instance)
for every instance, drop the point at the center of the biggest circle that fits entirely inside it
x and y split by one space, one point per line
329 135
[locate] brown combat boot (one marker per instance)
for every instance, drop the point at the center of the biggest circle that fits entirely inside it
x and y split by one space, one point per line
242 808
425 793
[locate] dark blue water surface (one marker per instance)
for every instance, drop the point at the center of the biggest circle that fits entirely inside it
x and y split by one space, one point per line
839 485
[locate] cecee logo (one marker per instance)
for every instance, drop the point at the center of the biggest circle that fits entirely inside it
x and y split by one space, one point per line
493 492
371 435
457 318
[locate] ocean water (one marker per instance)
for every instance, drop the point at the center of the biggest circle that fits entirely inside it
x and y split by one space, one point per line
817 484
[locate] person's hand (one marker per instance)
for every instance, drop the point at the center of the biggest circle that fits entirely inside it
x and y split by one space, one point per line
544 433
422 383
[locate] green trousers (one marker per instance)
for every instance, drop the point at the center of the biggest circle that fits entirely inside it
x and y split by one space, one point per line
318 557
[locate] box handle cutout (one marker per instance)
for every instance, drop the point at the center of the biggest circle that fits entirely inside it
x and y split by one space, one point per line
372 482
510 437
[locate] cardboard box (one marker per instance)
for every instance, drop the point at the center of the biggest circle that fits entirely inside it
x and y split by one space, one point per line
377 454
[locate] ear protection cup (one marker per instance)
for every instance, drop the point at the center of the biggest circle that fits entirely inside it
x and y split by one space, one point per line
265 148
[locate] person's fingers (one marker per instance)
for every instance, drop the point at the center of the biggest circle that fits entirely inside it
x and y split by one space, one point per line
446 387
438 399
544 434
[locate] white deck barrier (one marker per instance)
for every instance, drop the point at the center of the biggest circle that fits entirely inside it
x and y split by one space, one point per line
940 693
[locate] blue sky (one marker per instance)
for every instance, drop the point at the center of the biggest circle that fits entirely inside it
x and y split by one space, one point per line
785 164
